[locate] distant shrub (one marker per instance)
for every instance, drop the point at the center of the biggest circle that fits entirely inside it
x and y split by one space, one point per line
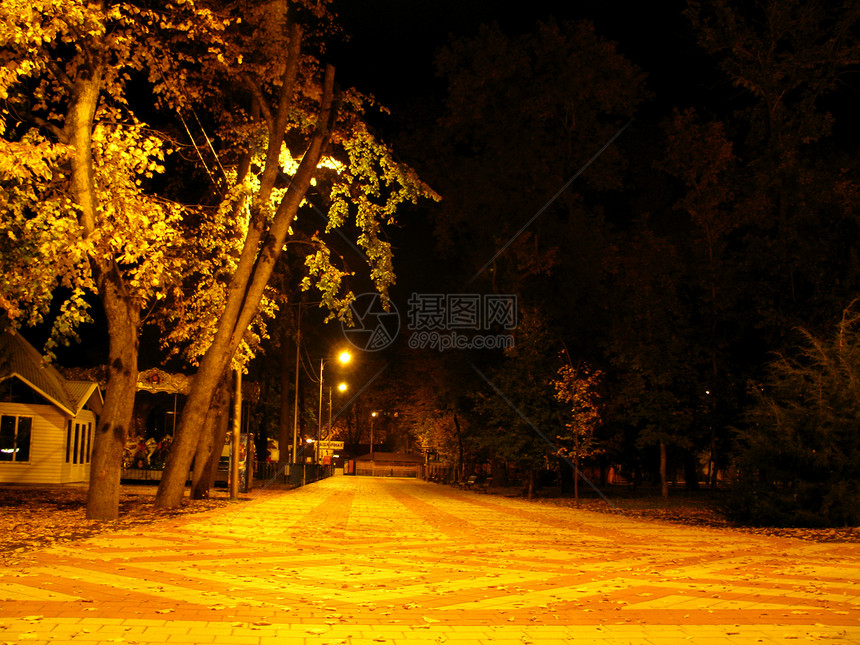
798 459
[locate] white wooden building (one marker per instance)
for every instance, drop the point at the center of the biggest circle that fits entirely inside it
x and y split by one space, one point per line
47 422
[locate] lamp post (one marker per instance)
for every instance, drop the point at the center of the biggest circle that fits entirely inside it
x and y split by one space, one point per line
341 387
236 437
344 357
373 415
296 386
295 454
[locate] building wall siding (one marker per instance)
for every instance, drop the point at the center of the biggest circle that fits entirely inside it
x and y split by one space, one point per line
47 463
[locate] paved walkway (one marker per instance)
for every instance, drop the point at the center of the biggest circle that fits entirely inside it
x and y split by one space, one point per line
359 561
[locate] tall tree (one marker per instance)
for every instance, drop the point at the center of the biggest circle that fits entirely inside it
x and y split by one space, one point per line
775 212
517 408
576 388
789 60
650 343
705 225
91 91
432 389
77 168
523 114
288 123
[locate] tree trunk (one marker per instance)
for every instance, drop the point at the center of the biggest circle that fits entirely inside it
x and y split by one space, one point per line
243 297
499 472
530 483
461 453
712 460
113 425
576 479
565 474
691 471
123 315
203 477
200 473
664 482
221 429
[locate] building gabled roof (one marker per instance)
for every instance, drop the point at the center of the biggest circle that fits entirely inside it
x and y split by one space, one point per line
18 358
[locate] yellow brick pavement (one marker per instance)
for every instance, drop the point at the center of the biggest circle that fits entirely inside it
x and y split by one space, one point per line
354 561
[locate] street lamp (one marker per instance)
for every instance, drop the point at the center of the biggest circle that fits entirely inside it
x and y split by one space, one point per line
373 415
344 357
295 450
341 387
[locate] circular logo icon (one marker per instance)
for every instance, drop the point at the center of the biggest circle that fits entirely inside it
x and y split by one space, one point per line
374 328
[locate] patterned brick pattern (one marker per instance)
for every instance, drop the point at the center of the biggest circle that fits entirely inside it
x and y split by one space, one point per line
360 560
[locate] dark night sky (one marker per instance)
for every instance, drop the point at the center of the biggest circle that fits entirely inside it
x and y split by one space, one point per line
390 49
392 43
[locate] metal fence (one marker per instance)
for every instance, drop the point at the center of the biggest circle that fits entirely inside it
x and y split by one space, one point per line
141 474
294 475
386 471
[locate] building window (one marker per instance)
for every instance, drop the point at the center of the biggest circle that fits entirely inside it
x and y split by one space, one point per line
15 438
83 458
76 449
